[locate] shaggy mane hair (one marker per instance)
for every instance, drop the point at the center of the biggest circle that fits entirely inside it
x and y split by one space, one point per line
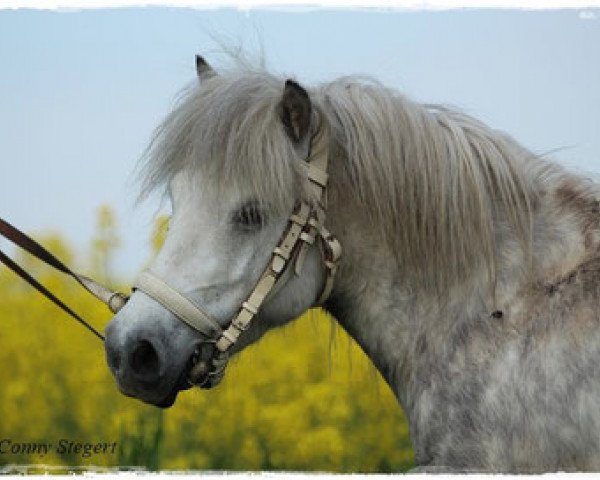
434 180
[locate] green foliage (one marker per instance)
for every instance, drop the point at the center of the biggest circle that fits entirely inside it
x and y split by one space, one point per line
141 447
295 401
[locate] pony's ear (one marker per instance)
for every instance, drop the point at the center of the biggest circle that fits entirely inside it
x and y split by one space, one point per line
295 111
203 69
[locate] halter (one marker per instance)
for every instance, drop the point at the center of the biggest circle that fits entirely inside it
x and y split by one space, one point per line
305 226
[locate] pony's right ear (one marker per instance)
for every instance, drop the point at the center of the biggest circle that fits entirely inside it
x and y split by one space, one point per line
295 111
203 69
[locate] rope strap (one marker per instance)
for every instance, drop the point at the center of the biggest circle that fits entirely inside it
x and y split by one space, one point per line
114 300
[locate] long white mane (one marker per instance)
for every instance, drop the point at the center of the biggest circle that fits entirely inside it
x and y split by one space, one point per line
435 181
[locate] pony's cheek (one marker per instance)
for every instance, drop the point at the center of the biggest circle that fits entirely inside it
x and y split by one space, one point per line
299 294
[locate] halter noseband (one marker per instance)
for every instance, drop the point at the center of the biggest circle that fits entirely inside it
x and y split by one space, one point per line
305 226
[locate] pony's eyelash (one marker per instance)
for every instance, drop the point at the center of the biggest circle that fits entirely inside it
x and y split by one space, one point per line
250 216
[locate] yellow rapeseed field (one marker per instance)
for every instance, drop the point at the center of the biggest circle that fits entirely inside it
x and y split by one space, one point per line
304 398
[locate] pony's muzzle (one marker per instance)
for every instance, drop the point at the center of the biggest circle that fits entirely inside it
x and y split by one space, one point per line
148 360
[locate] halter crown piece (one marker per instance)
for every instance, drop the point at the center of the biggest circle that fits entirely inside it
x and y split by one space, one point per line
305 226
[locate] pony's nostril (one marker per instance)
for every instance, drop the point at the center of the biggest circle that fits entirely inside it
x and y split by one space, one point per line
144 361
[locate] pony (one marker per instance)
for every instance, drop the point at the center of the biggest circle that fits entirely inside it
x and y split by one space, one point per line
470 272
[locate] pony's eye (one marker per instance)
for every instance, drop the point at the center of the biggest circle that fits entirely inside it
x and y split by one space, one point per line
249 216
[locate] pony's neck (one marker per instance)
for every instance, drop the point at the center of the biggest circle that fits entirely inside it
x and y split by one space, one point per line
403 328
404 331
370 300
372 303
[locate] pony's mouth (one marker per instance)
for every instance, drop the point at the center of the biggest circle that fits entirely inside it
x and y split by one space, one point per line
193 375
182 384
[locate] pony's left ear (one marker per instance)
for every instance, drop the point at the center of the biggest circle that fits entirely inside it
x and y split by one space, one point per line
203 69
295 111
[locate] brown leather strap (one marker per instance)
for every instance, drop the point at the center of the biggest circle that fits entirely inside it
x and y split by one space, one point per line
115 300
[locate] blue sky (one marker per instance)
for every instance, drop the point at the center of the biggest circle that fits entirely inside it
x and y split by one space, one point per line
80 92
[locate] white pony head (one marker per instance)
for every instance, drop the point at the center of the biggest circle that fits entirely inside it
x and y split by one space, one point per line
229 156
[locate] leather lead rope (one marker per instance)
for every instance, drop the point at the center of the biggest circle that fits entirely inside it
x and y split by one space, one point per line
114 300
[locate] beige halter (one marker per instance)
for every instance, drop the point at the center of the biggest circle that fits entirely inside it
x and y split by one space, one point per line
306 224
